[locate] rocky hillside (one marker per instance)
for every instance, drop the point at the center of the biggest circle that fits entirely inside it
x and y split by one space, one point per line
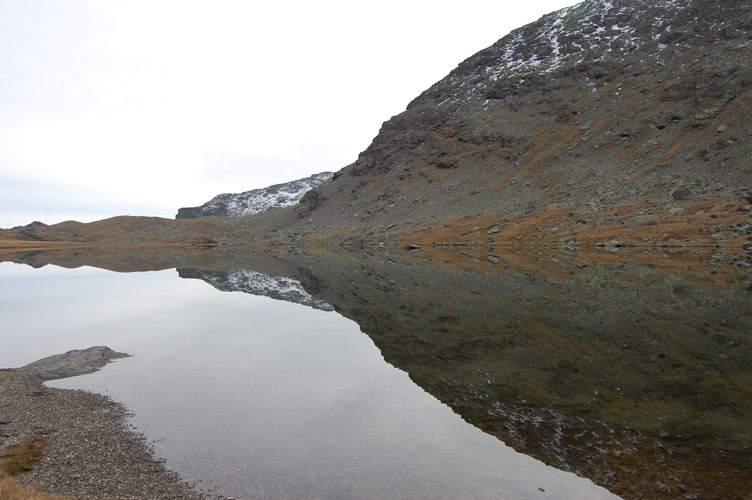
611 108
256 200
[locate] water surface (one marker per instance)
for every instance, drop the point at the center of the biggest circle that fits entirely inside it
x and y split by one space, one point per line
498 373
262 398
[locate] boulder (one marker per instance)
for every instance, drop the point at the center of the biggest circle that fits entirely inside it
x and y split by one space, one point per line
641 220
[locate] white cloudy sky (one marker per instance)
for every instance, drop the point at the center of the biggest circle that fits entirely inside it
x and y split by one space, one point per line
140 107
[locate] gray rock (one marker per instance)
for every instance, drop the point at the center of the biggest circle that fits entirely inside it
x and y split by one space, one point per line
494 230
721 236
676 211
641 220
70 364
682 194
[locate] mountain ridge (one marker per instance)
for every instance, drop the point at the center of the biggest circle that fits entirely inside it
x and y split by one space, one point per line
256 201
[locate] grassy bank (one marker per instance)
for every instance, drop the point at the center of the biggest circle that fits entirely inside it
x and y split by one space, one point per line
20 458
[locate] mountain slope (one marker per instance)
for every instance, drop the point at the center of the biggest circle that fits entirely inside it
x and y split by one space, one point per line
257 200
595 107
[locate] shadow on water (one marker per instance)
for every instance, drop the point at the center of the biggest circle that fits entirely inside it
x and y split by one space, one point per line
633 370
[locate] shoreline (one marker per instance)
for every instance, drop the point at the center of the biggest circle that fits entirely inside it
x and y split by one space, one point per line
91 452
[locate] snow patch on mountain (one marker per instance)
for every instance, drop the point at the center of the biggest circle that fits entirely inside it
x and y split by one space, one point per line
593 30
257 200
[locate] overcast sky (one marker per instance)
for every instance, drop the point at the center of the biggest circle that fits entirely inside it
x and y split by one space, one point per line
140 107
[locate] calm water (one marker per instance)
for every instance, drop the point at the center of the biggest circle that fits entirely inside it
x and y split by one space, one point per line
261 398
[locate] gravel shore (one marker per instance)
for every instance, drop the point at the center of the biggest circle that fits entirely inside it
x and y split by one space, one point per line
90 452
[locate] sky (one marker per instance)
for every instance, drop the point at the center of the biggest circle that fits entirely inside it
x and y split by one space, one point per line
140 107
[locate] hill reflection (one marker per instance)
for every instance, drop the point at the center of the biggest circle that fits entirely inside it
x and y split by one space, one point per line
632 370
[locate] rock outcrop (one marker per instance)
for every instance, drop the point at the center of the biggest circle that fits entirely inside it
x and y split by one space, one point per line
70 364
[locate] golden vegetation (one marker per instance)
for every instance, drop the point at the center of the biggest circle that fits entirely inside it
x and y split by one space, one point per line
22 456
17 459
11 489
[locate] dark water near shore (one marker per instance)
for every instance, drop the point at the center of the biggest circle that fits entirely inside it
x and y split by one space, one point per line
301 375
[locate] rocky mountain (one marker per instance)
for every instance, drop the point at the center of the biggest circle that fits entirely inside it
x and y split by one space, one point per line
256 200
607 124
606 108
255 283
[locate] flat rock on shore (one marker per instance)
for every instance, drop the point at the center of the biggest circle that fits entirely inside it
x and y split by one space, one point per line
70 364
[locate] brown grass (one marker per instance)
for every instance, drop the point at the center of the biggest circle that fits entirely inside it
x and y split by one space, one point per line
17 459
11 489
22 456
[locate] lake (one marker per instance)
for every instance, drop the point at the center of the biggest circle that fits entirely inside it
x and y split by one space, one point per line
294 374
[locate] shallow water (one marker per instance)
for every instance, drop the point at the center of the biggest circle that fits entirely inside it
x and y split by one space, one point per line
441 374
261 398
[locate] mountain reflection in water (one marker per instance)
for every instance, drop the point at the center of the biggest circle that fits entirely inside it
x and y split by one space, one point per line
633 370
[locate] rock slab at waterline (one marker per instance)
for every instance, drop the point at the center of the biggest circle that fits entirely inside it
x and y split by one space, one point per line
69 364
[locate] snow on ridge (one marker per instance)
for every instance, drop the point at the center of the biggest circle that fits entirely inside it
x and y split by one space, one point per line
593 29
561 36
277 196
258 200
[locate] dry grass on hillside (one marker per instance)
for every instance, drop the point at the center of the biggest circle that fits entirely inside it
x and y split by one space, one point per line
17 459
22 456
10 489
